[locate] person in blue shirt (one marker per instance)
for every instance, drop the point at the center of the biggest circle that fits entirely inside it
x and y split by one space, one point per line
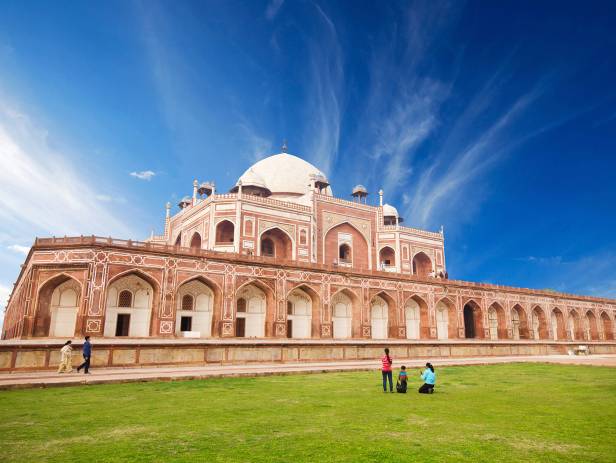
87 353
429 378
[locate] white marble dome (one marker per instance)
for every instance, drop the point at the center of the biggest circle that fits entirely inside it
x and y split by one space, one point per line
286 176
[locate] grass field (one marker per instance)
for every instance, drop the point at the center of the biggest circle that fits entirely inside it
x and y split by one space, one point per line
517 412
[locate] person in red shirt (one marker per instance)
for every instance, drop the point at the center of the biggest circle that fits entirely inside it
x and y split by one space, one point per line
386 361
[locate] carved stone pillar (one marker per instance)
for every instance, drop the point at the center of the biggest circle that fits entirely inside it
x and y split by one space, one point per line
227 323
432 315
94 318
460 315
167 313
326 329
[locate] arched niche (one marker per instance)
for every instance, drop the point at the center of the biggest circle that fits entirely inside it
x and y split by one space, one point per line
416 317
345 233
130 318
345 254
574 327
519 322
383 317
496 322
344 313
446 320
194 309
251 311
195 241
274 242
607 330
473 322
590 326
58 302
302 310
539 327
422 265
387 258
557 325
379 318
225 232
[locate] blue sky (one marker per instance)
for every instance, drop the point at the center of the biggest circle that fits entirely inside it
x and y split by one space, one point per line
494 119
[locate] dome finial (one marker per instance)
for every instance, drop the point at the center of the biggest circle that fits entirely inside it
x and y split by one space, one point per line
284 145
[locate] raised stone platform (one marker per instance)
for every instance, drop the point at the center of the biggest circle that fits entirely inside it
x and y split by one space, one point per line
44 354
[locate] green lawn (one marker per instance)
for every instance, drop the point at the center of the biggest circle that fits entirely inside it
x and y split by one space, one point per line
517 412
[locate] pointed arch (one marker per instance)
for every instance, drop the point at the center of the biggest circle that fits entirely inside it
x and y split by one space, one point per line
446 319
557 325
178 240
307 323
225 232
51 317
519 322
496 321
346 233
607 330
591 330
387 257
276 242
422 264
195 241
574 326
388 319
346 314
539 326
269 309
345 254
138 320
416 317
207 303
473 320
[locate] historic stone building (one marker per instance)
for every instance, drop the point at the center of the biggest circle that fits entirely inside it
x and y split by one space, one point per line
279 256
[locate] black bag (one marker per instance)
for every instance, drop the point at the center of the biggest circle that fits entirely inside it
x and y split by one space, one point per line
401 387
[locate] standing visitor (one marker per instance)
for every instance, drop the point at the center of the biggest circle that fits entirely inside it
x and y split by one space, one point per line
429 378
386 371
87 353
66 361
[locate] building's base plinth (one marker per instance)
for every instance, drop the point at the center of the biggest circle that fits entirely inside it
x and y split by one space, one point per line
44 354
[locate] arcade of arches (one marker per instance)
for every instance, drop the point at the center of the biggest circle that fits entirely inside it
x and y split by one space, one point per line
131 299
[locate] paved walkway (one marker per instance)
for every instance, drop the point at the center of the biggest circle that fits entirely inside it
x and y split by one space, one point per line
120 375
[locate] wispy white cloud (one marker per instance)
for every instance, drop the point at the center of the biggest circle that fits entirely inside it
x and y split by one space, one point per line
256 146
143 175
43 191
325 94
549 260
403 104
272 8
441 184
19 248
105 198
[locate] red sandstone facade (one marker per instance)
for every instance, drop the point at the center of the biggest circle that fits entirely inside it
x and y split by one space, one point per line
280 261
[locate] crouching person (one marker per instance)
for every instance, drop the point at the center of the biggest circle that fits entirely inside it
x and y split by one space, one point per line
66 360
429 378
402 380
